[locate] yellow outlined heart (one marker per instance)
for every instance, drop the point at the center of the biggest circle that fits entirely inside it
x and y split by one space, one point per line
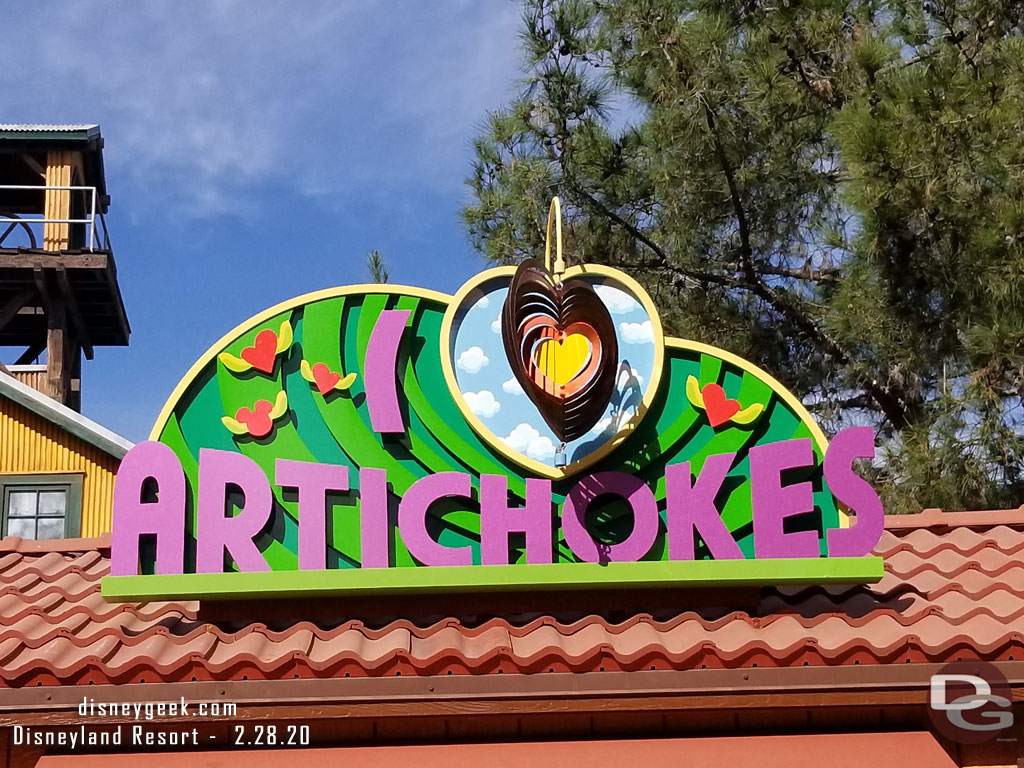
466 296
561 360
455 306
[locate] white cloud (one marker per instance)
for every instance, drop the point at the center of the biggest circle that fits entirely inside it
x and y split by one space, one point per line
482 403
230 126
472 360
637 333
618 301
528 440
202 105
482 303
601 426
496 325
512 386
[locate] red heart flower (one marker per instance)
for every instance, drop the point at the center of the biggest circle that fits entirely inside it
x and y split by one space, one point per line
262 353
258 419
718 407
324 379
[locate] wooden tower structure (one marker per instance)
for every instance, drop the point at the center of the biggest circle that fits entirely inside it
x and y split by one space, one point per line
59 295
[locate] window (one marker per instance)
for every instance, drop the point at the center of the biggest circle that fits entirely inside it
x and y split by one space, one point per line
41 506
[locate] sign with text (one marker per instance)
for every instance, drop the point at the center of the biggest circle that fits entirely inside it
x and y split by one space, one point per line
535 431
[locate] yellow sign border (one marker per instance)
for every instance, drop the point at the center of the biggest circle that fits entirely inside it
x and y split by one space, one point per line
493 440
453 303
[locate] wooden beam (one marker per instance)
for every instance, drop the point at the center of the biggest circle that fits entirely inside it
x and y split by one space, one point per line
58 349
14 306
31 163
59 344
30 354
8 231
75 380
74 312
26 258
39 278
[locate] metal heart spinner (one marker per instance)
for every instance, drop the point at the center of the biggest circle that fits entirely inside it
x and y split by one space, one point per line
561 344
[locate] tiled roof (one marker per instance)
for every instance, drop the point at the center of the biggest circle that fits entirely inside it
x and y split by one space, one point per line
953 588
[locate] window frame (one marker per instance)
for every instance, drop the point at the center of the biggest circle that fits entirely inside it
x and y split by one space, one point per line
47 481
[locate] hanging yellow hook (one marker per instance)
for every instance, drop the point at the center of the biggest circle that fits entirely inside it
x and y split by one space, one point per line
554 217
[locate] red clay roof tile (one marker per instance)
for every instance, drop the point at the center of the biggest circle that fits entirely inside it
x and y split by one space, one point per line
953 587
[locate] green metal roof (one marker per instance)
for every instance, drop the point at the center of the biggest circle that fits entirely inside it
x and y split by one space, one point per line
42 137
46 131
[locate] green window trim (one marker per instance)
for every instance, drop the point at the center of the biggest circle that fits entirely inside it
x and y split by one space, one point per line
47 481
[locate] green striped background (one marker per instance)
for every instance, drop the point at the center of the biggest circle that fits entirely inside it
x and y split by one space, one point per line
337 430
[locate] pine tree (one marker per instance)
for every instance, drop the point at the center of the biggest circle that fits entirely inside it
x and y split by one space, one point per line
832 189
378 269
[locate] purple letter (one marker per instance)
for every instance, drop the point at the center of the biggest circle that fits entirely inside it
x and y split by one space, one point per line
497 520
217 532
412 518
855 492
165 517
692 508
645 517
379 371
312 481
373 518
772 503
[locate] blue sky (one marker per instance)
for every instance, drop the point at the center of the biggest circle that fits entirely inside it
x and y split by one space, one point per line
254 156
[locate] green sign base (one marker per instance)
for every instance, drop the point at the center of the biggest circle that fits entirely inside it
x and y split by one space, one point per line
494 578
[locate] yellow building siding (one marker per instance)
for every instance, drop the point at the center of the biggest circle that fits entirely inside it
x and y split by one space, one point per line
30 444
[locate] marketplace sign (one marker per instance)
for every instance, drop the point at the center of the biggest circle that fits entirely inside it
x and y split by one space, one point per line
535 431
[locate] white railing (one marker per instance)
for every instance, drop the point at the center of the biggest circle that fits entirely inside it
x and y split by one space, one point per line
90 220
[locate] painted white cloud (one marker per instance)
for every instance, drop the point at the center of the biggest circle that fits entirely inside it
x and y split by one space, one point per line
472 360
519 438
482 403
637 333
528 440
601 426
618 301
483 303
496 325
512 386
541 448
